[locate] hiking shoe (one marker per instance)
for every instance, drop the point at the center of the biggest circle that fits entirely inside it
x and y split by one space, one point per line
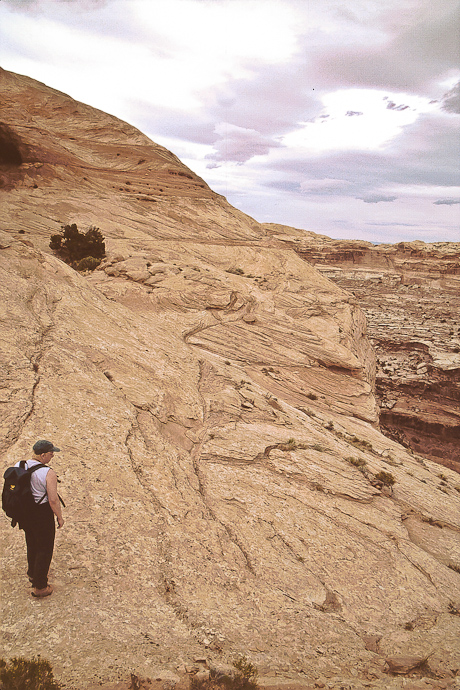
45 592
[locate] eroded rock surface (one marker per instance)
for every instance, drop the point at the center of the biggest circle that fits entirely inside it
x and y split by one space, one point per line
213 395
410 293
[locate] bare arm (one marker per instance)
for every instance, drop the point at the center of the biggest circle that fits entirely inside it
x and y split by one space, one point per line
53 498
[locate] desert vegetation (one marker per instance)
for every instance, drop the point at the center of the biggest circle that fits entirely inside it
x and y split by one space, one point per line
24 674
359 463
82 250
243 678
386 478
360 443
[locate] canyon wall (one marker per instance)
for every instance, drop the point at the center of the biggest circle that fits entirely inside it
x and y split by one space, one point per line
410 293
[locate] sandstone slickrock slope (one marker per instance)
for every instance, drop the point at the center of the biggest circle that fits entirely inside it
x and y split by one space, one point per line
213 395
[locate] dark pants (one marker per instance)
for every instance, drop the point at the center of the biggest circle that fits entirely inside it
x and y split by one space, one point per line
40 530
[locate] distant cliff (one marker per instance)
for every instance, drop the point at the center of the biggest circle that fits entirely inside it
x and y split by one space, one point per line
410 293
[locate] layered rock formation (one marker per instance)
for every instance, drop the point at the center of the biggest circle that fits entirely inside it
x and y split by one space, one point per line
410 293
228 490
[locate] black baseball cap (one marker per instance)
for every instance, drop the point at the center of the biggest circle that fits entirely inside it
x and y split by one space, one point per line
45 447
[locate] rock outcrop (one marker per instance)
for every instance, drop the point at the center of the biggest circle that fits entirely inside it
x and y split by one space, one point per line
228 489
410 293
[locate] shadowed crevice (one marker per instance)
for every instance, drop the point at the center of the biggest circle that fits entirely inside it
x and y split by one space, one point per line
10 153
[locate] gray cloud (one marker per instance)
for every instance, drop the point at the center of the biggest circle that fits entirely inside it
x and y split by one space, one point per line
428 152
257 111
275 98
451 100
271 101
425 154
377 198
230 142
324 187
446 202
392 224
239 144
408 55
393 106
154 120
94 18
39 6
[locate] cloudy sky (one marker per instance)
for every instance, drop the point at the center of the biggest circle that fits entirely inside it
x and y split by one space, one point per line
337 116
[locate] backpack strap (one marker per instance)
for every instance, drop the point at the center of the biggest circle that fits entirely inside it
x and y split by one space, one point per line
32 469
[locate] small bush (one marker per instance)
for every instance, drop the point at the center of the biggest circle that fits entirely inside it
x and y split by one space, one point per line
389 460
236 271
89 263
245 678
22 674
312 396
360 443
386 478
73 246
357 462
247 670
454 609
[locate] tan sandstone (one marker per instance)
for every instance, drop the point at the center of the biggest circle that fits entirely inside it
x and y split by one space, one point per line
213 395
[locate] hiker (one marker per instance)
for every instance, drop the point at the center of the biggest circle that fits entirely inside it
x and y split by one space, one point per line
39 527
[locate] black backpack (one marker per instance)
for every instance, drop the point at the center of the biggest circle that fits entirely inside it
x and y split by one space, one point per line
17 499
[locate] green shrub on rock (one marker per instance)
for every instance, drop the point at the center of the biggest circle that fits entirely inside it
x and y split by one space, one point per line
357 462
386 478
89 263
73 246
24 674
247 672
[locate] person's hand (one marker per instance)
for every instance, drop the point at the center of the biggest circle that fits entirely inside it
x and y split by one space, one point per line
60 523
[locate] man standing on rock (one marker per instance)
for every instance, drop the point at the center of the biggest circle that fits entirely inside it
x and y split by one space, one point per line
39 527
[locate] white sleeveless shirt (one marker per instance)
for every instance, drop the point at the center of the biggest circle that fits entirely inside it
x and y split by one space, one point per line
37 481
